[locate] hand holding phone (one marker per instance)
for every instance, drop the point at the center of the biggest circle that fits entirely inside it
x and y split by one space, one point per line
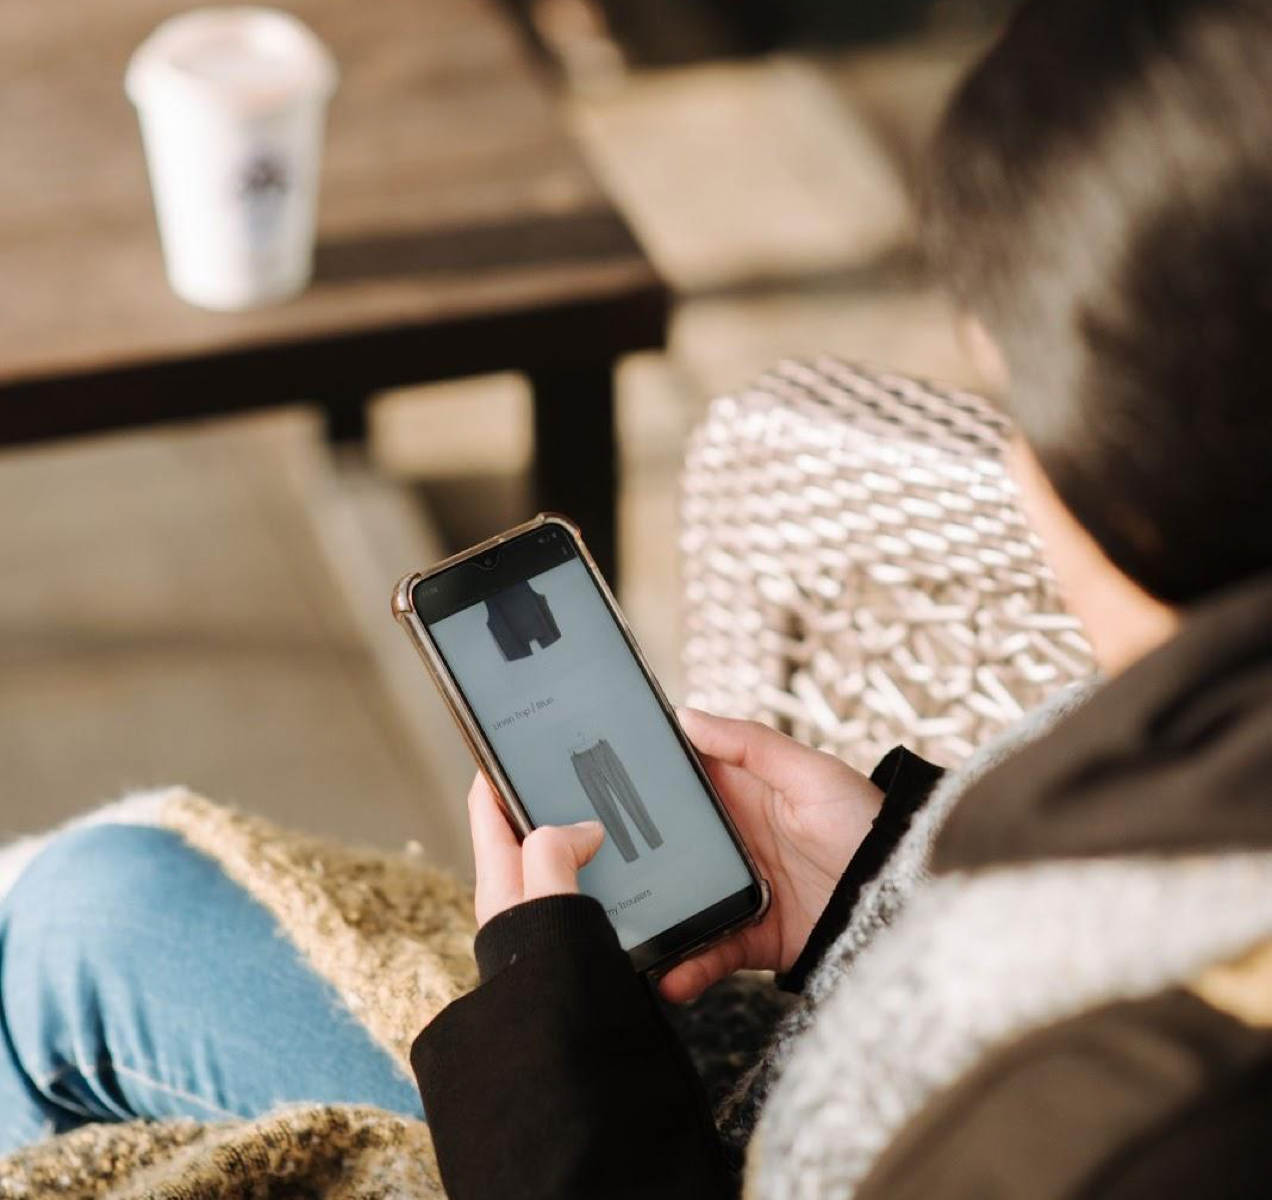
567 723
802 812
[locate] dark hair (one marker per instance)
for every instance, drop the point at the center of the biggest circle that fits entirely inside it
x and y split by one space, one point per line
1101 196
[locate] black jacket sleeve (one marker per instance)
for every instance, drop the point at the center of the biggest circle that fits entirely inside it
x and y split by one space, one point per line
907 781
559 1077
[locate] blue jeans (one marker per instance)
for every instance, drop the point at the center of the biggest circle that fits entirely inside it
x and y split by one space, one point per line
136 980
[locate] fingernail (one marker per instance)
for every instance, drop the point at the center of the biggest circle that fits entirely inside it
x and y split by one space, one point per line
590 826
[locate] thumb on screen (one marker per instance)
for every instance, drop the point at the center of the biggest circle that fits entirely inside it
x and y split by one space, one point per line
553 855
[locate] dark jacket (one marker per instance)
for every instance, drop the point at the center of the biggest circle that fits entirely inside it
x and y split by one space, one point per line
519 616
559 1077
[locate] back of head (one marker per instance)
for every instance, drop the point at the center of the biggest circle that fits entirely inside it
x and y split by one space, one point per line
1101 196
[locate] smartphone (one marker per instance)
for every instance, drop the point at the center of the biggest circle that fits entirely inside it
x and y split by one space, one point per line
564 717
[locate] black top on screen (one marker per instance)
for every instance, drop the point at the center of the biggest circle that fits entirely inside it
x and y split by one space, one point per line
492 571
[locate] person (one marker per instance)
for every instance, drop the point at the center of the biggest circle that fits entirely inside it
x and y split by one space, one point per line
1045 974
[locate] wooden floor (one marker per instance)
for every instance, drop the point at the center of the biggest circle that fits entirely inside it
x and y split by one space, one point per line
201 607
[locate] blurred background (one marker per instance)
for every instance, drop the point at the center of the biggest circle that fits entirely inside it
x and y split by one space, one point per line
206 601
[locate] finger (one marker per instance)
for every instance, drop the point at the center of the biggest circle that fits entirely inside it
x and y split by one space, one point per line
775 759
553 855
747 744
496 852
737 788
688 980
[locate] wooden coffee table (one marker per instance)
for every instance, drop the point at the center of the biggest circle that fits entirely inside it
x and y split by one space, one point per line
460 233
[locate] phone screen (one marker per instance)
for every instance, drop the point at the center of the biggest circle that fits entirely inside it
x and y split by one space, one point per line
581 735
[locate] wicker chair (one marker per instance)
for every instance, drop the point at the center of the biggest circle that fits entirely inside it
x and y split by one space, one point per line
857 570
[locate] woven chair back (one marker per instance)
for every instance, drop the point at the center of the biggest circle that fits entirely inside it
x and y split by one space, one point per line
858 571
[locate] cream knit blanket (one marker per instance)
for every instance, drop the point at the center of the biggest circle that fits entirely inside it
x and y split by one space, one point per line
395 939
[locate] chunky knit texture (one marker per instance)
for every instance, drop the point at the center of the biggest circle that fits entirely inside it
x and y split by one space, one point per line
976 962
335 1152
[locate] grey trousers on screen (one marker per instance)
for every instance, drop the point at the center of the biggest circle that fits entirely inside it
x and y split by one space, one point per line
604 779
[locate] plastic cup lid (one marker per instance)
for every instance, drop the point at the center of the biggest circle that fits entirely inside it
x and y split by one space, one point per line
249 59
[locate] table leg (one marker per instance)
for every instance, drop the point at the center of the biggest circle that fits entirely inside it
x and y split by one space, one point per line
346 416
575 458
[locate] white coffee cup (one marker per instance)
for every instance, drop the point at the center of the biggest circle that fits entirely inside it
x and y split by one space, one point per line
232 104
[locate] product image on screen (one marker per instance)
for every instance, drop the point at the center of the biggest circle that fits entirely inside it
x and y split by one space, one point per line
580 735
